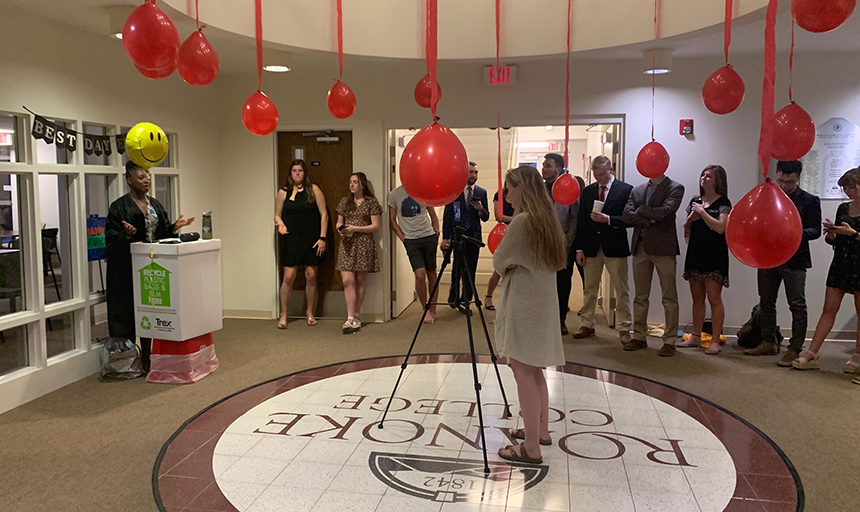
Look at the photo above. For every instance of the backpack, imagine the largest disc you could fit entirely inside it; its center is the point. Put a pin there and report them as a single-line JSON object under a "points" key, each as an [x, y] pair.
{"points": [[749, 335]]}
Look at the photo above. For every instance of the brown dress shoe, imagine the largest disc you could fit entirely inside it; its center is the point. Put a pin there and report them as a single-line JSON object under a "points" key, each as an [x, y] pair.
{"points": [[667, 350], [583, 332], [765, 348], [789, 356], [625, 337], [635, 345]]}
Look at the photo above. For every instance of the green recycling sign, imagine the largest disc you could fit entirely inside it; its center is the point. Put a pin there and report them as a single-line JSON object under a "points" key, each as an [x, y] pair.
{"points": [[155, 285]]}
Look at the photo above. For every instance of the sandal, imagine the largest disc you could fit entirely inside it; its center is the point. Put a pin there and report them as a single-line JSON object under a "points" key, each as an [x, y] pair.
{"points": [[513, 456], [689, 343], [519, 433], [488, 303], [282, 324], [803, 363], [312, 321], [853, 364]]}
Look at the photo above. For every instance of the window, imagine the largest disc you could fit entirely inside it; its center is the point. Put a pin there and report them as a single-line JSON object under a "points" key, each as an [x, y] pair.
{"points": [[60, 333], [164, 194], [13, 349], [50, 153], [56, 241], [94, 159], [12, 296], [11, 143], [97, 204]]}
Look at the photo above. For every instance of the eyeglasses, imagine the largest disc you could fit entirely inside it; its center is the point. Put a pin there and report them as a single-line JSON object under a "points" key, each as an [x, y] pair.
{"points": [[787, 182]]}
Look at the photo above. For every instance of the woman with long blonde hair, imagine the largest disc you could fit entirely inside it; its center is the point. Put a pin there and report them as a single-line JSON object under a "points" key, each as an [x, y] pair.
{"points": [[527, 317]]}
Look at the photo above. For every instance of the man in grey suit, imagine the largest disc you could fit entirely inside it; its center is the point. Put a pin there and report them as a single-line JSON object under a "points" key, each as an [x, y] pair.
{"points": [[651, 209]]}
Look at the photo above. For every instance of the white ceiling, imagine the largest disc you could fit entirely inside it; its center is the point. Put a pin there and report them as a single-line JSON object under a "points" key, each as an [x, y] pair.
{"points": [[236, 52]]}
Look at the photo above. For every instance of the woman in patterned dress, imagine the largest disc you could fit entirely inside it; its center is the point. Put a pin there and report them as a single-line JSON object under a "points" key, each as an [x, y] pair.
{"points": [[358, 217], [844, 274], [706, 266]]}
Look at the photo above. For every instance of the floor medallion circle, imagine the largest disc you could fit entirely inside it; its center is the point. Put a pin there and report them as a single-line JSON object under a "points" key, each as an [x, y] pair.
{"points": [[312, 442]]}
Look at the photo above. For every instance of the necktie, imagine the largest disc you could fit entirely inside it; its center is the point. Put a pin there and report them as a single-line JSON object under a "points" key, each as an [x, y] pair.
{"points": [[602, 192], [468, 213]]}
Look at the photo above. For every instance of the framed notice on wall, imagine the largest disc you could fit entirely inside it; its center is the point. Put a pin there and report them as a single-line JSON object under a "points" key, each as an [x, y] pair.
{"points": [[836, 150]]}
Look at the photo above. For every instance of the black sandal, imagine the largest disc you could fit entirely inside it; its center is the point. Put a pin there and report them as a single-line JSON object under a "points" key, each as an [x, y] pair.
{"points": [[491, 307]]}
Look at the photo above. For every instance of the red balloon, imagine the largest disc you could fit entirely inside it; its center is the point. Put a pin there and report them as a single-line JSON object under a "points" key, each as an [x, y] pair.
{"points": [[764, 228], [423, 92], [198, 62], [793, 133], [723, 91], [156, 74], [150, 38], [496, 236], [821, 15], [434, 168], [259, 114], [652, 160], [340, 100], [565, 190]]}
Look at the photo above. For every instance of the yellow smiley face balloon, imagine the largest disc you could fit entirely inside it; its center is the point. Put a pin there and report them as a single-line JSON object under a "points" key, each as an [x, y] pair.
{"points": [[146, 145]]}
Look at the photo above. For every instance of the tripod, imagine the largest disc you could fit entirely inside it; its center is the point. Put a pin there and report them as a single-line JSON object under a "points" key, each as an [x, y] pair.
{"points": [[457, 247]]}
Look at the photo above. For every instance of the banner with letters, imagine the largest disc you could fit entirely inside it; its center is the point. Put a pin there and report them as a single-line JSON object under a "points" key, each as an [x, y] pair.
{"points": [[69, 139]]}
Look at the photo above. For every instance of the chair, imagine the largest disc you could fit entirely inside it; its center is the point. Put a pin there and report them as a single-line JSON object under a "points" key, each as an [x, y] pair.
{"points": [[49, 249], [10, 280]]}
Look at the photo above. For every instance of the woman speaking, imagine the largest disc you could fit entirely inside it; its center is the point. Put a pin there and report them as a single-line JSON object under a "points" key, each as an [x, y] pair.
{"points": [[527, 317]]}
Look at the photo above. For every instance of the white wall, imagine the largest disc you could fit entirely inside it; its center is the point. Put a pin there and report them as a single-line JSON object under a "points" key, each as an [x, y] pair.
{"points": [[384, 92]]}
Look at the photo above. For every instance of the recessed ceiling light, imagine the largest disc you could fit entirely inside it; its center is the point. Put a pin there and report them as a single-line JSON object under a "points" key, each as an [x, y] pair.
{"points": [[548, 127], [275, 68], [117, 15], [657, 61]]}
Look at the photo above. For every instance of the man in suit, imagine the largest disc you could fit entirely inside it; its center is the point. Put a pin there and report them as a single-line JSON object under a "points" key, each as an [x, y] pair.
{"points": [[792, 272], [553, 166], [651, 211], [601, 241], [467, 211]]}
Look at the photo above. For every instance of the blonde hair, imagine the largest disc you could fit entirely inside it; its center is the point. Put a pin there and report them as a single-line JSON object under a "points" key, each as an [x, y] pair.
{"points": [[851, 177], [543, 231]]}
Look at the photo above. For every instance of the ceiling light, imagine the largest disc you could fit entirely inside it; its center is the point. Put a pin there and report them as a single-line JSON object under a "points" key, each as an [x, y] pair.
{"points": [[277, 61], [548, 127], [6, 130], [117, 14], [657, 61]]}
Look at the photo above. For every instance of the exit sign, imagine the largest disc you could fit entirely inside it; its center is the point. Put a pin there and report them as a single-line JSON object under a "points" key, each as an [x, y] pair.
{"points": [[500, 77]]}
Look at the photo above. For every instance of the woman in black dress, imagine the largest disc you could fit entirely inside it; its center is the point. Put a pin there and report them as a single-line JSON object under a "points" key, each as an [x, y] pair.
{"points": [[507, 215], [302, 219], [844, 274], [134, 217], [707, 264]]}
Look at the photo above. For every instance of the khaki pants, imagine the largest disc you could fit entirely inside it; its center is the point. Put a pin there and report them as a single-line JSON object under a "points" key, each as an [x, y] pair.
{"points": [[617, 268], [643, 269]]}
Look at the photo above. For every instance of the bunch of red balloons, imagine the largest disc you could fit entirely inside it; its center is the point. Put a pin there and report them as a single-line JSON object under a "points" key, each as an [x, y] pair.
{"points": [[152, 42]]}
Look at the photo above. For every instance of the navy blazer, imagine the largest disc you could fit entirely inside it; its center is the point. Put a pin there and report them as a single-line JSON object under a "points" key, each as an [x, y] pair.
{"points": [[478, 194], [592, 236], [809, 207]]}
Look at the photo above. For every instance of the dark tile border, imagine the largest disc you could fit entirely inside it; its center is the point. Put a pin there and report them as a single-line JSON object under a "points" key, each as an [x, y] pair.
{"points": [[760, 482]]}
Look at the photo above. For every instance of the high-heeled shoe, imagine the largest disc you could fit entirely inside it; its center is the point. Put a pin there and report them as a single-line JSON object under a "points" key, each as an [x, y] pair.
{"points": [[853, 364], [803, 363]]}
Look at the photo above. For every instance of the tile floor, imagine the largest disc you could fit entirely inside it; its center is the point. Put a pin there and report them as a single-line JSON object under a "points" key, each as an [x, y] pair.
{"points": [[310, 442]]}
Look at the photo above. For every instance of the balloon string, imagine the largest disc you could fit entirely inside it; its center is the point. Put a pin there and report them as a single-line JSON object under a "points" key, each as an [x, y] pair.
{"points": [[567, 91], [501, 195], [432, 13], [727, 29], [791, 62], [340, 38], [258, 19], [766, 134], [656, 25], [654, 65]]}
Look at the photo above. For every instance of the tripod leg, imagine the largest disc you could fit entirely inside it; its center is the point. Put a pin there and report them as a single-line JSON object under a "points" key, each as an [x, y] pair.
{"points": [[507, 413], [468, 280], [414, 338]]}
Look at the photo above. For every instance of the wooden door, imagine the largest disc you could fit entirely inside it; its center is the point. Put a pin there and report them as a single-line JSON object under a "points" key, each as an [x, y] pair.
{"points": [[329, 158]]}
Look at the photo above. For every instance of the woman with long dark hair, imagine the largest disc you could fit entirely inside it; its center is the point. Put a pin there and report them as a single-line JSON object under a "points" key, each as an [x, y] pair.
{"points": [[358, 217], [707, 263], [302, 220], [527, 317]]}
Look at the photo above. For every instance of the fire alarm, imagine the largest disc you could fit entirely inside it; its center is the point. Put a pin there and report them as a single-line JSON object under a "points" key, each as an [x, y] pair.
{"points": [[686, 127]]}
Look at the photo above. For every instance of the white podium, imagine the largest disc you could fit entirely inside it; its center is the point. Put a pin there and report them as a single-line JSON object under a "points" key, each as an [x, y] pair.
{"points": [[177, 289]]}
